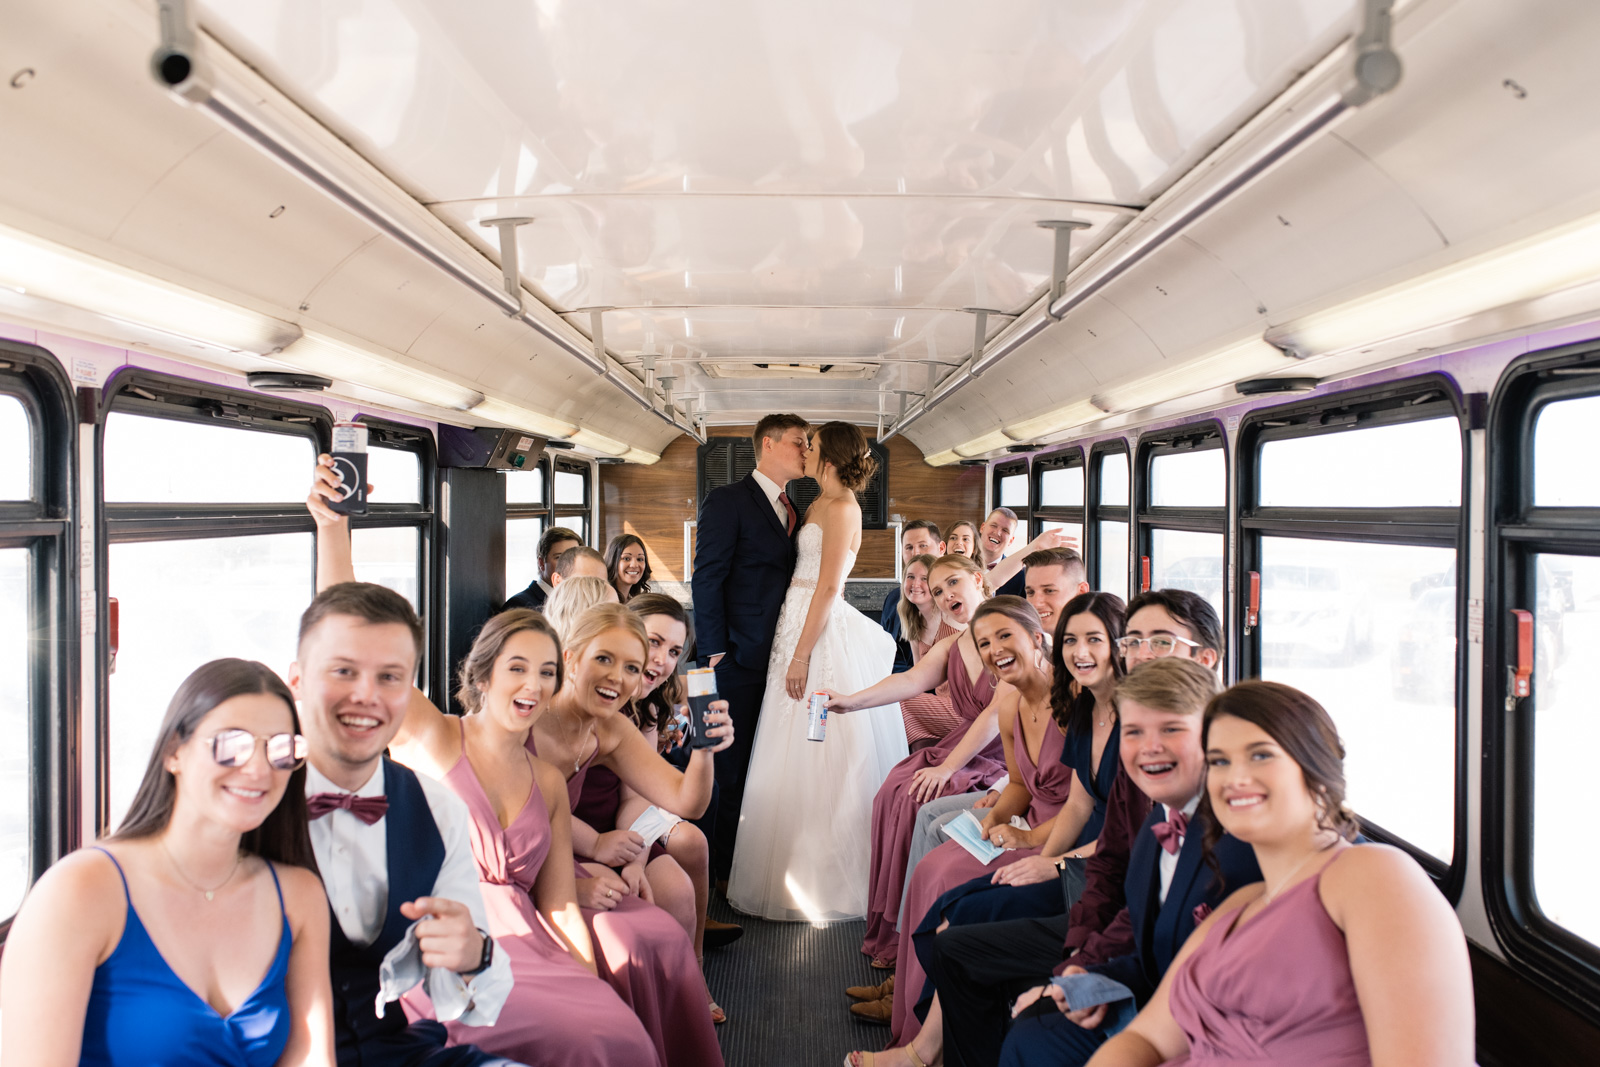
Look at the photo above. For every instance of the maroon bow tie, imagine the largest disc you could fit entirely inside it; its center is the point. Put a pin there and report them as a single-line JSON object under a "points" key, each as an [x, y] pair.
{"points": [[368, 809], [1169, 834]]}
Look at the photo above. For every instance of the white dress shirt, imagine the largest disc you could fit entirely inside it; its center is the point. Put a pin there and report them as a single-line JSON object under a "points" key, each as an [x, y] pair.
{"points": [[1168, 861], [354, 859], [772, 489]]}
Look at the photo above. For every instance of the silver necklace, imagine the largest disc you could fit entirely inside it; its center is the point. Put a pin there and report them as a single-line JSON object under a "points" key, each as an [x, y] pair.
{"points": [[1269, 895], [212, 892]]}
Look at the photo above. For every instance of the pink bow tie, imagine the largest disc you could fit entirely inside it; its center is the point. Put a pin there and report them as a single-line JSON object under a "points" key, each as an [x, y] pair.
{"points": [[1169, 834], [368, 809]]}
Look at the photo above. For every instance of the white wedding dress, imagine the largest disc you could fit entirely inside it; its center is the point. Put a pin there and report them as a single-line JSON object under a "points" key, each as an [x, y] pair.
{"points": [[805, 831]]}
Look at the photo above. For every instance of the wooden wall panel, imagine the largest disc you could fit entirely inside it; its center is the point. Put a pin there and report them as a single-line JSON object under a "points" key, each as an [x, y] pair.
{"points": [[654, 502]]}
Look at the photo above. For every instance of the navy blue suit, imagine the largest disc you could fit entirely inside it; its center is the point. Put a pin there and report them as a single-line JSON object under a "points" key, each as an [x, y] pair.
{"points": [[743, 560], [1159, 931], [1016, 586], [889, 619]]}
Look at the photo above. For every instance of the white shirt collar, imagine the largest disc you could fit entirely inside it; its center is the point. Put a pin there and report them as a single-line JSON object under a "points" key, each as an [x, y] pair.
{"points": [[317, 782], [768, 486], [1188, 809]]}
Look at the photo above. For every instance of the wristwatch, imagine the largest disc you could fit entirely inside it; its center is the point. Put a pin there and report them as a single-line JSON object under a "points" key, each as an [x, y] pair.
{"points": [[486, 959]]}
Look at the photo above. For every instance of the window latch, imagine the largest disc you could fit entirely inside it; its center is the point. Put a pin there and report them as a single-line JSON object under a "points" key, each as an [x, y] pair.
{"points": [[1144, 574], [1252, 611], [1522, 671], [113, 632]]}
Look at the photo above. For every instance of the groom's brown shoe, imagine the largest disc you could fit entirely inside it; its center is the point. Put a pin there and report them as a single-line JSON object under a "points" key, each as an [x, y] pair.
{"points": [[871, 992], [877, 1012]]}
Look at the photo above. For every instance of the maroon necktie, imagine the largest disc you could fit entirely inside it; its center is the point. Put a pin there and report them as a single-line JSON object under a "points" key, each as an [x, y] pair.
{"points": [[368, 809], [1169, 834], [783, 498]]}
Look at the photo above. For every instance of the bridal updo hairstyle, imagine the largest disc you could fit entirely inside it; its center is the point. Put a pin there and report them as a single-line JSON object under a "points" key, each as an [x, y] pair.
{"points": [[1305, 731], [845, 446], [478, 667]]}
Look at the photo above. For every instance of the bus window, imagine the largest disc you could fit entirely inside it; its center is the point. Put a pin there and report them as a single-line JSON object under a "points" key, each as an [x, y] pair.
{"points": [[1563, 470], [15, 769], [388, 555], [16, 446], [1061, 487], [1114, 479], [1189, 479], [571, 488], [1113, 538], [395, 476], [171, 461], [1013, 491], [1407, 464], [1073, 530], [1566, 617], [522, 553], [186, 602], [1185, 559], [1370, 631]]}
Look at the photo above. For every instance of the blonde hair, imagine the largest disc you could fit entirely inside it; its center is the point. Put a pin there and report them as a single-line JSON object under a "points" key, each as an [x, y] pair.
{"points": [[603, 618], [1176, 684], [572, 598], [956, 561], [912, 624]]}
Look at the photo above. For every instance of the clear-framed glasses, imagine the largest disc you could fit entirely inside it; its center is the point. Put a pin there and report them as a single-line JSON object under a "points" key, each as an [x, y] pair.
{"points": [[234, 748], [1159, 644]]}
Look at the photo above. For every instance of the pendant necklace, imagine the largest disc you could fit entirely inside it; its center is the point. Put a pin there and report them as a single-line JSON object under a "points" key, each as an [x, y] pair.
{"points": [[212, 892]]}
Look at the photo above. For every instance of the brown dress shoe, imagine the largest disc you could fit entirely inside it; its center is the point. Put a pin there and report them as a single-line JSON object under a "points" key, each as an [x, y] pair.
{"points": [[878, 1012], [871, 992], [720, 934]]}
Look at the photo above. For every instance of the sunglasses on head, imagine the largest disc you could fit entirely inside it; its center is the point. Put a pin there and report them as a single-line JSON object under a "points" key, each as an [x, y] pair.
{"points": [[234, 748]]}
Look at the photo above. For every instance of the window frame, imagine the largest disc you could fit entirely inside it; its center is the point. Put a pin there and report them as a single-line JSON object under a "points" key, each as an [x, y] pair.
{"points": [[1094, 513], [1061, 459], [1562, 963], [1411, 399], [1204, 436], [421, 516], [46, 526], [571, 465], [1010, 469]]}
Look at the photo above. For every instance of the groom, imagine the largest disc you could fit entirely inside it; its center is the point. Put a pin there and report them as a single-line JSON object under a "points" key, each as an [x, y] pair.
{"points": [[743, 558]]}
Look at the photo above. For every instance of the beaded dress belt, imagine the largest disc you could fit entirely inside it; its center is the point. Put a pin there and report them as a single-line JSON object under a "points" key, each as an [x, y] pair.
{"points": [[803, 583]]}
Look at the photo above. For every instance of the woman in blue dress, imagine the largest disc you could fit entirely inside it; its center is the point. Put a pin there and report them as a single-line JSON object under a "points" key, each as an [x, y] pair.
{"points": [[197, 934]]}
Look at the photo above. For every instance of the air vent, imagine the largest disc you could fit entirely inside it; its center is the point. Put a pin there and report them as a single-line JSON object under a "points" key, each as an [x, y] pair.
{"points": [[831, 371]]}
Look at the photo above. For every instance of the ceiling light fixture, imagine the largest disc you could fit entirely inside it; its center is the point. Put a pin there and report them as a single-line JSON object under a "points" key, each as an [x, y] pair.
{"points": [[598, 442], [48, 271], [517, 417], [989, 442], [346, 362]]}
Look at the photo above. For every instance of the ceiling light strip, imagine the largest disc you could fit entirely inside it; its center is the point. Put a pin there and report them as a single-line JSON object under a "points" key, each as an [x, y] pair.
{"points": [[1103, 270], [197, 89]]}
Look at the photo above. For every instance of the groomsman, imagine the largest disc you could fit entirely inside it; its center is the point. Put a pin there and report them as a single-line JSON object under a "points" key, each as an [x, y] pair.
{"points": [[392, 845], [744, 556], [994, 537], [552, 543]]}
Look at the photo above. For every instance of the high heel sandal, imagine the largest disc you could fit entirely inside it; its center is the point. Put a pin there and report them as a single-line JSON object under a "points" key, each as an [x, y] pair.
{"points": [[868, 1058]]}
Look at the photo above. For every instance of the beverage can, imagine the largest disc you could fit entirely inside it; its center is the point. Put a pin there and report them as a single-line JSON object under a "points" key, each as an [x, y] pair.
{"points": [[817, 724], [702, 685], [350, 463]]}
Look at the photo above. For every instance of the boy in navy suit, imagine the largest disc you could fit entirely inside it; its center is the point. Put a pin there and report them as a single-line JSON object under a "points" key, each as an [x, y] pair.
{"points": [[743, 559], [1169, 887]]}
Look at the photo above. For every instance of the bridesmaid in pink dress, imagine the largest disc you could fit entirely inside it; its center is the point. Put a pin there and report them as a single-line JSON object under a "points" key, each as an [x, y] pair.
{"points": [[928, 716], [968, 758], [1008, 631], [640, 950], [1343, 956]]}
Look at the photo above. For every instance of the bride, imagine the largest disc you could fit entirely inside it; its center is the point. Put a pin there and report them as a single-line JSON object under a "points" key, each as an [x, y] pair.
{"points": [[805, 826]]}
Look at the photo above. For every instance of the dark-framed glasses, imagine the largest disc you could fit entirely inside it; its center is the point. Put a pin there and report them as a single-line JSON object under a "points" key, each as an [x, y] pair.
{"points": [[1159, 644], [234, 748]]}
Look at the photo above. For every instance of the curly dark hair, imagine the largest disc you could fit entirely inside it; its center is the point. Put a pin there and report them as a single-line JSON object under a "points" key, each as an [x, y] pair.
{"points": [[1074, 710], [657, 707], [1306, 733]]}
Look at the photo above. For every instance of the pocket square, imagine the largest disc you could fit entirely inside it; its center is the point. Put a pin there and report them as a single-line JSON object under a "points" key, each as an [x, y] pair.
{"points": [[1200, 912]]}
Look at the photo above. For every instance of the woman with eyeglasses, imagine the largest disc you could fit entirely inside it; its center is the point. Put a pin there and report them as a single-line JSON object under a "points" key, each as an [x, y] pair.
{"points": [[197, 934]]}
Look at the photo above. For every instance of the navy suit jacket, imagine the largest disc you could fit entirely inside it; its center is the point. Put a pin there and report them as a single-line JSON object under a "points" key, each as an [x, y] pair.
{"points": [[743, 559], [1160, 929]]}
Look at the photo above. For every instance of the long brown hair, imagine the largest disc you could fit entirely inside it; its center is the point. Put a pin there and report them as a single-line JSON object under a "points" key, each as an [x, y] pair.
{"points": [[954, 526], [655, 709], [1306, 733], [478, 667], [912, 624], [284, 836], [614, 552], [1066, 704]]}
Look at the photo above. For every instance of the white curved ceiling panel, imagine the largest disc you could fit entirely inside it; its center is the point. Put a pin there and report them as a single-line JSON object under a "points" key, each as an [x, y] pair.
{"points": [[1184, 293], [1043, 98]]}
